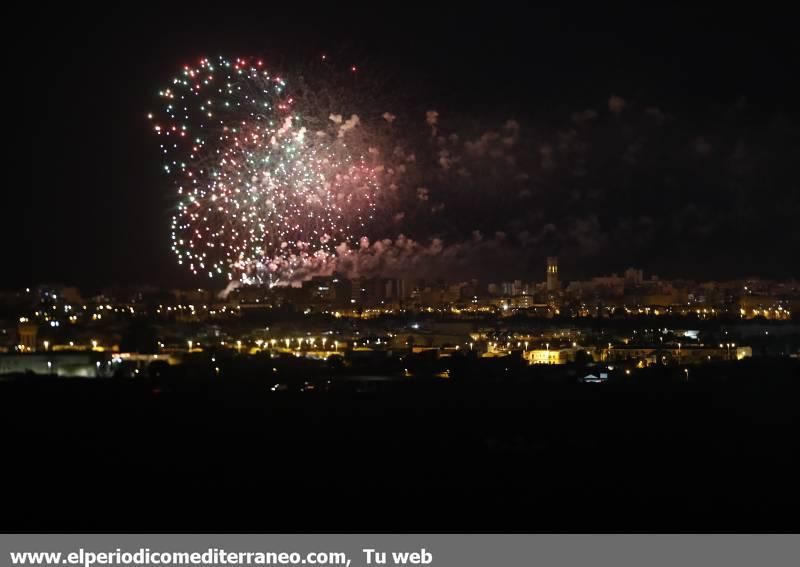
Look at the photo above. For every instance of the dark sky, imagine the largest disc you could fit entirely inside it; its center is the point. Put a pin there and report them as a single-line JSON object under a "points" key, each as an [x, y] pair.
{"points": [[95, 208]]}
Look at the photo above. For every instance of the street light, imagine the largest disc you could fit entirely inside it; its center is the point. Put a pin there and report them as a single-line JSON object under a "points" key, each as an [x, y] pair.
{"points": [[190, 343]]}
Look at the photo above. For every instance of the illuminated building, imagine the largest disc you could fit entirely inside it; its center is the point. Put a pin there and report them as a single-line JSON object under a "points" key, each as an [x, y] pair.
{"points": [[552, 274], [549, 356], [27, 335]]}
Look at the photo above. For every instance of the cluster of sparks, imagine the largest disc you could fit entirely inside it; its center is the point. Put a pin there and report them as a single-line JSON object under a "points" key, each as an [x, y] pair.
{"points": [[259, 197]]}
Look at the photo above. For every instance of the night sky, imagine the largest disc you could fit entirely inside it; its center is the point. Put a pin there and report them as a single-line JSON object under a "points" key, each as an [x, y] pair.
{"points": [[695, 177]]}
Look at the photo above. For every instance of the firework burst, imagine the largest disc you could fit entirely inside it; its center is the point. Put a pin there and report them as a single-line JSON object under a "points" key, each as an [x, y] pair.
{"points": [[259, 196]]}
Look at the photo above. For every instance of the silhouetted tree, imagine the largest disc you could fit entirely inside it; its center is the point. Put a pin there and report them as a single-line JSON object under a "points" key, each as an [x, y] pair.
{"points": [[583, 358], [140, 336]]}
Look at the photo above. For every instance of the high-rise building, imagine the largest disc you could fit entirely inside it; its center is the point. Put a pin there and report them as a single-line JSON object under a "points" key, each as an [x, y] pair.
{"points": [[552, 274], [342, 289], [396, 289], [633, 276], [321, 289]]}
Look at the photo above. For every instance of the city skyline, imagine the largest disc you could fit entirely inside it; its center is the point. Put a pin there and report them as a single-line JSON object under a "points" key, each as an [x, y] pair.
{"points": [[60, 317], [222, 289]]}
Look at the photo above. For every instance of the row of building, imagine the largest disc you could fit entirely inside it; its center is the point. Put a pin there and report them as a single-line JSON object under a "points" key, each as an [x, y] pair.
{"points": [[597, 296]]}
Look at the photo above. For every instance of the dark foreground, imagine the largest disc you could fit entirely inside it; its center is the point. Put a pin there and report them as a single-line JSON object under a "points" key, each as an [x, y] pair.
{"points": [[718, 454]]}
